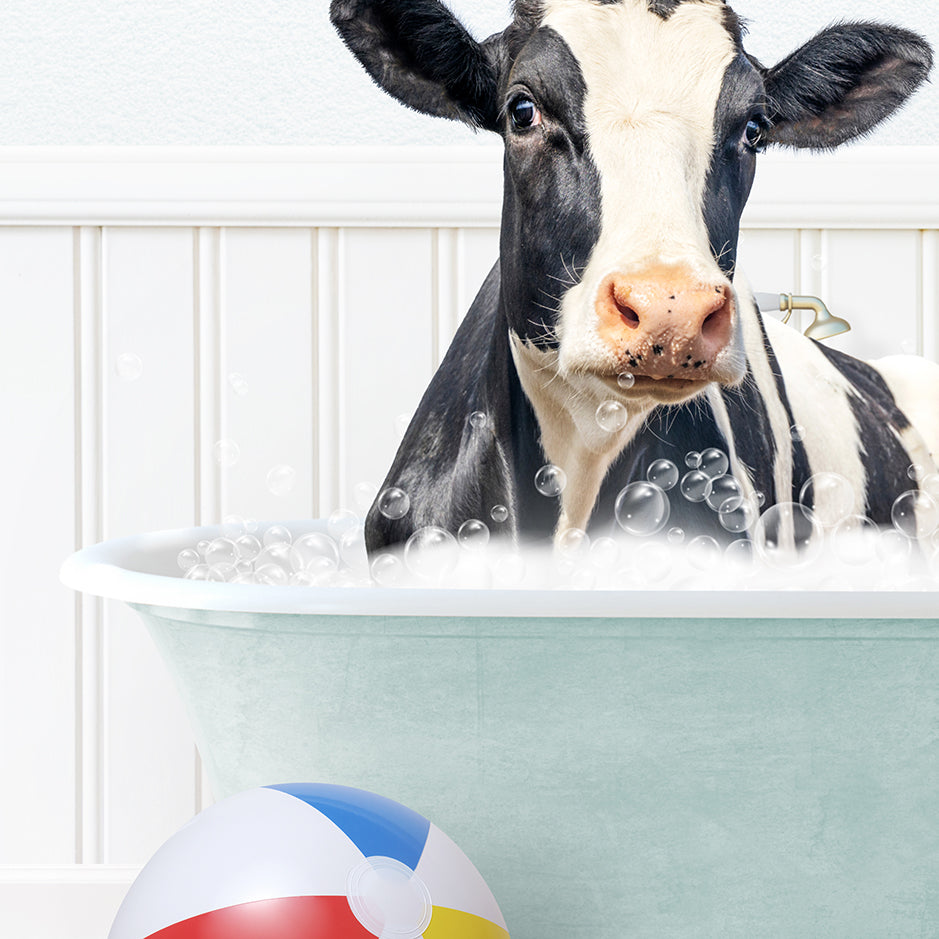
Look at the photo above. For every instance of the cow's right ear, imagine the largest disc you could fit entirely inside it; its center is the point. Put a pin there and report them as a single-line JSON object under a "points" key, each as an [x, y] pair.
{"points": [[420, 53]]}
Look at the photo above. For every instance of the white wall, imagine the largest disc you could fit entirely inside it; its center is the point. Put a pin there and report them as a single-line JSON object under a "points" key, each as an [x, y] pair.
{"points": [[254, 72]]}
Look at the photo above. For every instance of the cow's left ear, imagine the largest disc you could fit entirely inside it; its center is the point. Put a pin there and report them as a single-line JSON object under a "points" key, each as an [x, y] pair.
{"points": [[842, 83], [420, 53]]}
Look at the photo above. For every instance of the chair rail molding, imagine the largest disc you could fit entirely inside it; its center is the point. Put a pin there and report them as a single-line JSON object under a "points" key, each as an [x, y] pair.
{"points": [[863, 187]]}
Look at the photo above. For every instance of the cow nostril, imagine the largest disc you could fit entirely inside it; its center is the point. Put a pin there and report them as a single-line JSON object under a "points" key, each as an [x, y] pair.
{"points": [[716, 324], [629, 316]]}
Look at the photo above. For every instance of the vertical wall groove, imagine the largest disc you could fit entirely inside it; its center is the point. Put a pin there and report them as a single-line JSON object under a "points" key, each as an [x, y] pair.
{"points": [[929, 314], [208, 372], [90, 749], [330, 395]]}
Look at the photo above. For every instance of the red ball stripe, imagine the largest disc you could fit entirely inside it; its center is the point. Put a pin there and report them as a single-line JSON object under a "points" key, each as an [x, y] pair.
{"points": [[284, 918]]}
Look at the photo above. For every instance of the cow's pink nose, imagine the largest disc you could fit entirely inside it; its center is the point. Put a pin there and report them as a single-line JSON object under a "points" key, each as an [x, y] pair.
{"points": [[664, 322]]}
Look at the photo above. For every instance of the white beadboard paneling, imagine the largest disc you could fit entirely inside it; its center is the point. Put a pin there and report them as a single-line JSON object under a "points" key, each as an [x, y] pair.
{"points": [[267, 341], [149, 470], [390, 347], [930, 294], [480, 250], [769, 259], [38, 481], [872, 281], [304, 312]]}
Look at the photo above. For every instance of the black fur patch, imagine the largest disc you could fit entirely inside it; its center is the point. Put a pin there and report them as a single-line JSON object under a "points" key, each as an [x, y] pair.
{"points": [[419, 52], [843, 83], [732, 168]]}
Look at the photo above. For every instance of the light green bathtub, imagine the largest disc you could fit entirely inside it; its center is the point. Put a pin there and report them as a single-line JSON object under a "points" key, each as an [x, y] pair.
{"points": [[617, 764]]}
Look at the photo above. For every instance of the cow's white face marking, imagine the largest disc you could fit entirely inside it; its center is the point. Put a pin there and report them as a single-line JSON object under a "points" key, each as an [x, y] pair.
{"points": [[652, 88]]}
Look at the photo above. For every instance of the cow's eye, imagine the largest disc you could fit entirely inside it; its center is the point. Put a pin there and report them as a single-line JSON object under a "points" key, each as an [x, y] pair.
{"points": [[754, 136], [524, 113]]}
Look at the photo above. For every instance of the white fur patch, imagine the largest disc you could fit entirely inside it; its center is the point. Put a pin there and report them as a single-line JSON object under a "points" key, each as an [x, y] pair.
{"points": [[820, 400], [652, 91], [914, 382], [571, 437]]}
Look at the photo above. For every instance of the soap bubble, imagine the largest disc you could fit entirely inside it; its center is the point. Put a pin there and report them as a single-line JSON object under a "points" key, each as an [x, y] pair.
{"points": [[604, 553], [930, 485], [302, 579], [340, 522], [220, 551], [675, 535], [509, 570], [759, 498], [797, 433], [655, 562], [915, 514], [276, 553], [221, 572], [281, 479], [573, 543], [713, 462], [313, 549], [188, 558], [830, 496], [431, 553], [893, 547], [473, 534], [197, 572], [201, 546], [128, 366], [695, 486], [626, 380], [704, 552], [722, 488], [739, 553], [271, 575], [736, 515], [276, 534], [550, 480], [853, 540], [914, 471], [394, 503], [233, 526], [787, 534], [352, 549], [478, 421], [642, 508], [663, 473], [238, 383], [611, 416], [247, 547], [388, 570], [499, 513], [227, 452], [692, 459]]}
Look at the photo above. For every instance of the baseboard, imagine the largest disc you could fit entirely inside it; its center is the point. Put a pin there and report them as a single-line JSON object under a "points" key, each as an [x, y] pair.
{"points": [[76, 902]]}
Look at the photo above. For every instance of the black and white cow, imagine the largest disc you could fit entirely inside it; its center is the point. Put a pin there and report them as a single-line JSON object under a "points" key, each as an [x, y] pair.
{"points": [[631, 129]]}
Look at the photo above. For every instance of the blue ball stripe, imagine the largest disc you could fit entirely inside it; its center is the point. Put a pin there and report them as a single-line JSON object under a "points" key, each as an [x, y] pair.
{"points": [[374, 824]]}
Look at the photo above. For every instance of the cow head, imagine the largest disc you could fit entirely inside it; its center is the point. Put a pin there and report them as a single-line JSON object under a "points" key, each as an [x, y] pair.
{"points": [[631, 130]]}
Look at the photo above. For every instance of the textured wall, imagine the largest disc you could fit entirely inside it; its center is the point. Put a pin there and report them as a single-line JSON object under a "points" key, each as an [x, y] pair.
{"points": [[230, 72]]}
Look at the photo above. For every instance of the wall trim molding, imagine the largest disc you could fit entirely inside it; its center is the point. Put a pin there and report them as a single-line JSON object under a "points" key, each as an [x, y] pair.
{"points": [[864, 187]]}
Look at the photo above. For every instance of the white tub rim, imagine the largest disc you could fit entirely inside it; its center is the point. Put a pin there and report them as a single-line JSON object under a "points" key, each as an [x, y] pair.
{"points": [[113, 569]]}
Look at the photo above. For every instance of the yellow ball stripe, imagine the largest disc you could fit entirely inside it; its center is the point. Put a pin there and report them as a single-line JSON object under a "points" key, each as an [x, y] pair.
{"points": [[455, 924]]}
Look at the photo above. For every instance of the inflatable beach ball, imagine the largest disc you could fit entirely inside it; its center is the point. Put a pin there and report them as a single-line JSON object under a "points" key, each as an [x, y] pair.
{"points": [[309, 861]]}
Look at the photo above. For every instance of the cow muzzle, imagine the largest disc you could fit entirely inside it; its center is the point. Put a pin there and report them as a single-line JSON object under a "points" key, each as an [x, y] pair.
{"points": [[665, 322]]}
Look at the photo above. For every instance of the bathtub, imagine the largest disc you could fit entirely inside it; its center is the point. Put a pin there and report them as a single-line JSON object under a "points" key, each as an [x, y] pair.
{"points": [[638, 763]]}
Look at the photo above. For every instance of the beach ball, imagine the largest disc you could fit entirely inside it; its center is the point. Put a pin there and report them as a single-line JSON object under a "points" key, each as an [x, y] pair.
{"points": [[309, 861]]}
